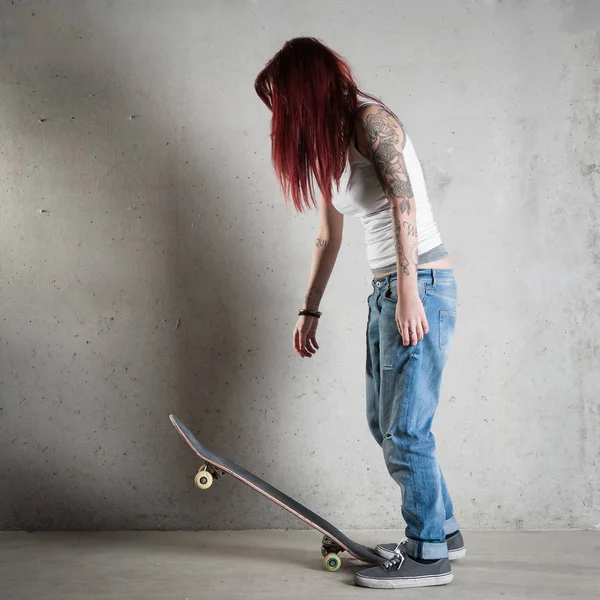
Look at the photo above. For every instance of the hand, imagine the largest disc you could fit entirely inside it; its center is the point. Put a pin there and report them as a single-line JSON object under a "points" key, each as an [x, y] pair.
{"points": [[410, 318], [305, 343]]}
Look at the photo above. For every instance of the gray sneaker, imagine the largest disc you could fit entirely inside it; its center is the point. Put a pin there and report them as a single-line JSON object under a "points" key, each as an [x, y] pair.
{"points": [[402, 571], [456, 547]]}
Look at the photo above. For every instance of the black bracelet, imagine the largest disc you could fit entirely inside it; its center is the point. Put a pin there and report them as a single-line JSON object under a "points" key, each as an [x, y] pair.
{"points": [[309, 313]]}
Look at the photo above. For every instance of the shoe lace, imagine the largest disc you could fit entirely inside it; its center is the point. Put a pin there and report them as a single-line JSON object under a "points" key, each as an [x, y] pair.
{"points": [[397, 549], [398, 559], [395, 562]]}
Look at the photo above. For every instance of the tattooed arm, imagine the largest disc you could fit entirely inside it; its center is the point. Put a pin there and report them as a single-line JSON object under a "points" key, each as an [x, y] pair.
{"points": [[325, 251], [380, 137]]}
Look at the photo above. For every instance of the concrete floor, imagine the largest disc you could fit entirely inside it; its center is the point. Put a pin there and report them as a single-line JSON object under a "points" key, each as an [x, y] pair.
{"points": [[280, 564]]}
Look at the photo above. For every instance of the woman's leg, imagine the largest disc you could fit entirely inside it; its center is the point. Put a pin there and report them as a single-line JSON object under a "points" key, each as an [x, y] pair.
{"points": [[408, 395]]}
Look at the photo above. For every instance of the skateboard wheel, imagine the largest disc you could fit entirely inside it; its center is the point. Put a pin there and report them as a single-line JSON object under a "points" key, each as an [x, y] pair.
{"points": [[203, 479], [332, 562]]}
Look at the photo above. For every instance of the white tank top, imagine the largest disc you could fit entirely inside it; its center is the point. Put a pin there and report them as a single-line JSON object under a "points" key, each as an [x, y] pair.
{"points": [[362, 196]]}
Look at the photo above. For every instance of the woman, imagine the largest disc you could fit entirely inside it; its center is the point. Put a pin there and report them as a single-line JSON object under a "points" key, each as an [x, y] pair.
{"points": [[364, 164]]}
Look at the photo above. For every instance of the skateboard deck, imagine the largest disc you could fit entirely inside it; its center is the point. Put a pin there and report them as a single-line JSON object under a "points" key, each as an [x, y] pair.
{"points": [[334, 541]]}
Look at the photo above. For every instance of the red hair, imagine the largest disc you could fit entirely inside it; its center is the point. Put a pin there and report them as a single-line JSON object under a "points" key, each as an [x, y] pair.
{"points": [[313, 97]]}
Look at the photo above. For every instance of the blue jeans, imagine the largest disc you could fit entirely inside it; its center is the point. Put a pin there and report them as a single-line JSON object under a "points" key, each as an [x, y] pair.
{"points": [[403, 391]]}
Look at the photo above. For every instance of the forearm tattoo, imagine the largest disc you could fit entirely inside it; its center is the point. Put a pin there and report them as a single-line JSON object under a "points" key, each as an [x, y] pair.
{"points": [[313, 297], [404, 264], [321, 243], [385, 134], [411, 230]]}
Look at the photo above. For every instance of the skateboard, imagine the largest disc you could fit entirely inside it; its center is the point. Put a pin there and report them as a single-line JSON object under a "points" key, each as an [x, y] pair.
{"points": [[334, 541]]}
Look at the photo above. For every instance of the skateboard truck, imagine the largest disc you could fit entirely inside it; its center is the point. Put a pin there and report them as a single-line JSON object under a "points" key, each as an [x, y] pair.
{"points": [[330, 551], [206, 475]]}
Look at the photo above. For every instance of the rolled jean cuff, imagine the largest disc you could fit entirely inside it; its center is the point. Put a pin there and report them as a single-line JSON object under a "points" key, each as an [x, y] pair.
{"points": [[450, 526], [426, 550], [432, 550]]}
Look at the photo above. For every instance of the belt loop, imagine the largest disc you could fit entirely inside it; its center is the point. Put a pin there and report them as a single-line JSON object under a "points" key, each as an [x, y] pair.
{"points": [[432, 276]]}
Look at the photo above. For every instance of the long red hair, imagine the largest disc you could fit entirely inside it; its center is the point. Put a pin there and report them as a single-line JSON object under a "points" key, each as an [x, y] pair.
{"points": [[312, 94]]}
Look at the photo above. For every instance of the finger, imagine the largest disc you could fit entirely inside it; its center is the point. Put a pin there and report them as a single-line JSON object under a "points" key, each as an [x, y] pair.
{"points": [[310, 344], [301, 350], [412, 329], [308, 349], [296, 341], [404, 333], [307, 345], [299, 347], [419, 330], [425, 325], [302, 340]]}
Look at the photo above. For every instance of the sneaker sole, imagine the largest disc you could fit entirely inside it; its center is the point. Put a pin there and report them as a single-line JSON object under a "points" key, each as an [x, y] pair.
{"points": [[412, 582], [452, 554], [458, 553]]}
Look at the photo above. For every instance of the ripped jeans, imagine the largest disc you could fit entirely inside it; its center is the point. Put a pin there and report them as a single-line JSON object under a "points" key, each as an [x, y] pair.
{"points": [[403, 391]]}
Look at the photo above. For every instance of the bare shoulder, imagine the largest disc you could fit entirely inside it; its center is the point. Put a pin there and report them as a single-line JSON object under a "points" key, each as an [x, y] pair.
{"points": [[376, 123]]}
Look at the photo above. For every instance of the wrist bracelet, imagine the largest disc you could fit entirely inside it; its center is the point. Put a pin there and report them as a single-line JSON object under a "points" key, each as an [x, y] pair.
{"points": [[309, 313]]}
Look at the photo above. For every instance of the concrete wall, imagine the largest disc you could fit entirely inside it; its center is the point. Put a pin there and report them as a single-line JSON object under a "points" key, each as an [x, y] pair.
{"points": [[148, 264]]}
